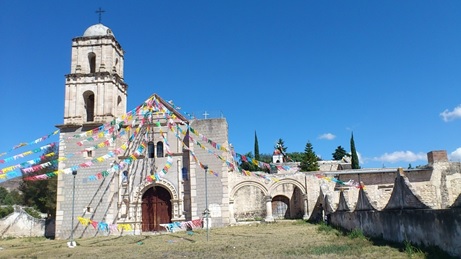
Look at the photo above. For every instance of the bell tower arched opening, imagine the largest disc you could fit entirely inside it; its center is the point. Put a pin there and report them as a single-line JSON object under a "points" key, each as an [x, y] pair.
{"points": [[92, 62], [88, 97]]}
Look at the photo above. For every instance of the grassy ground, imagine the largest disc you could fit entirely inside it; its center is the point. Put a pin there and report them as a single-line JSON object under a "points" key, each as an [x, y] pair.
{"points": [[293, 239]]}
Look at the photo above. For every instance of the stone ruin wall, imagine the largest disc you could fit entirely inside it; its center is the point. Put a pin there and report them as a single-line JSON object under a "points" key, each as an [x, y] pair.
{"points": [[424, 206]]}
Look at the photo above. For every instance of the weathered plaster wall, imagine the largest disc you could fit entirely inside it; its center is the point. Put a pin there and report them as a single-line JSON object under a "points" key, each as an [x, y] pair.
{"points": [[21, 224], [405, 216], [216, 191], [441, 228]]}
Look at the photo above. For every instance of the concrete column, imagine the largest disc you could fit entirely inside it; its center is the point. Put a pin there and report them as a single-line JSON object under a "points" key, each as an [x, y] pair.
{"points": [[269, 217], [306, 209]]}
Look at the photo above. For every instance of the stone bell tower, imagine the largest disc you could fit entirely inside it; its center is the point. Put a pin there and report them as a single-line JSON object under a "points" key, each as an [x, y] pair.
{"points": [[95, 91], [95, 95]]}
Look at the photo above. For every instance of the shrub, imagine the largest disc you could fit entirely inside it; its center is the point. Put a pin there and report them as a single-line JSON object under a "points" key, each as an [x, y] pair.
{"points": [[33, 212], [6, 210]]}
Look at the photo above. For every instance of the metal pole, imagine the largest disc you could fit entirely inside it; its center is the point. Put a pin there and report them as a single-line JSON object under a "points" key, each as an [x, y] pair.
{"points": [[72, 243], [206, 202]]}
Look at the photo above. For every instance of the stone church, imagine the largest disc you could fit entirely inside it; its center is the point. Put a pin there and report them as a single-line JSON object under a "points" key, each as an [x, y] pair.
{"points": [[137, 168], [149, 168]]}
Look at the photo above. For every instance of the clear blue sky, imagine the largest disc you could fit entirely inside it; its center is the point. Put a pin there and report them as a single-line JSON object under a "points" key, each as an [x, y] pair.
{"points": [[388, 71]]}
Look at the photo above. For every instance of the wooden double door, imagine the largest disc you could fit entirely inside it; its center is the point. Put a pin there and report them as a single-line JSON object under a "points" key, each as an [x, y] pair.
{"points": [[156, 209]]}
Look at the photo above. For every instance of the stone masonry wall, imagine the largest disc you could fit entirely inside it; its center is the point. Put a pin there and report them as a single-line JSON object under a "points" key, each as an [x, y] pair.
{"points": [[215, 130], [406, 217], [93, 199]]}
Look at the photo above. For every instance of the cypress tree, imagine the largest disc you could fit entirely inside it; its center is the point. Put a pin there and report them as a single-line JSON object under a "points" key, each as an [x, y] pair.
{"points": [[257, 157], [355, 158]]}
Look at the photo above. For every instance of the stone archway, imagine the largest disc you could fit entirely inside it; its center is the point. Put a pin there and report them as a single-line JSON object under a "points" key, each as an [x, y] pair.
{"points": [[281, 207], [242, 207], [289, 199], [156, 208]]}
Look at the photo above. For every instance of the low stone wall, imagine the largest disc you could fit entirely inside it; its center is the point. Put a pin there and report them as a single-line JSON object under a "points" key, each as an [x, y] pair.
{"points": [[404, 218], [21, 224], [441, 228]]}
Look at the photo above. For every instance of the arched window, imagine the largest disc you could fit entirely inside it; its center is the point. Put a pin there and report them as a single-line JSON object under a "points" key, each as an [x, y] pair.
{"points": [[88, 96], [119, 106], [92, 62], [160, 149], [125, 177]]}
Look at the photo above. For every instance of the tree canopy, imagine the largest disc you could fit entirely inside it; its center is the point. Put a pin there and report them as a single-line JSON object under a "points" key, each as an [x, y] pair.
{"points": [[339, 153], [280, 145], [42, 194], [309, 162]]}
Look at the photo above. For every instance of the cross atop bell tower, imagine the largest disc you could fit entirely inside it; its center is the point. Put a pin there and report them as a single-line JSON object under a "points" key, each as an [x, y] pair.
{"points": [[100, 12]]}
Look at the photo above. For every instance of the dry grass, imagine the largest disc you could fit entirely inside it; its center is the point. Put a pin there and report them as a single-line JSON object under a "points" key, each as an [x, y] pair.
{"points": [[277, 240]]}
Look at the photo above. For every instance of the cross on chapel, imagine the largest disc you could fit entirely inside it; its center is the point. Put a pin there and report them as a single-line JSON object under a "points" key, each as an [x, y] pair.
{"points": [[100, 11], [205, 114]]}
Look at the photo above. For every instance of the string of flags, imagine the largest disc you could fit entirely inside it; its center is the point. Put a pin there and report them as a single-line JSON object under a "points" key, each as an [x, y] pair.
{"points": [[117, 128], [30, 152], [106, 227], [30, 143], [161, 173], [108, 130], [350, 183], [104, 130], [27, 163]]}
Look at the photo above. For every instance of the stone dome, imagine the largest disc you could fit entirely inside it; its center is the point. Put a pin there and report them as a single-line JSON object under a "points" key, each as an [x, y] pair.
{"points": [[97, 30]]}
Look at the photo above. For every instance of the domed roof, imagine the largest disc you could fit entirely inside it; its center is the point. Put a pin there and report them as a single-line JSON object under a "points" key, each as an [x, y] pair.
{"points": [[98, 30]]}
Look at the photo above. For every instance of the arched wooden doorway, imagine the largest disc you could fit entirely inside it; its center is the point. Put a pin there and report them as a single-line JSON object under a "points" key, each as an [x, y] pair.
{"points": [[280, 207], [156, 208]]}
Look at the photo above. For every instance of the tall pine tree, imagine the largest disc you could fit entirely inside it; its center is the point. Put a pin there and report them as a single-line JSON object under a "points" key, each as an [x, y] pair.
{"points": [[281, 146], [339, 153], [309, 162], [355, 158]]}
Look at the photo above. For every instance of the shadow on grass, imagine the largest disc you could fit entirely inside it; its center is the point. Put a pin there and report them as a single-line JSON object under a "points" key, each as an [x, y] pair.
{"points": [[110, 240], [183, 238]]}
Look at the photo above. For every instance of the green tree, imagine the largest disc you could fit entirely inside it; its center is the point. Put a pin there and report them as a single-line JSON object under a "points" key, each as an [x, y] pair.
{"points": [[6, 210], [13, 198], [339, 153], [281, 146], [3, 194], [309, 162], [267, 158], [355, 158], [42, 194], [296, 156], [257, 157]]}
